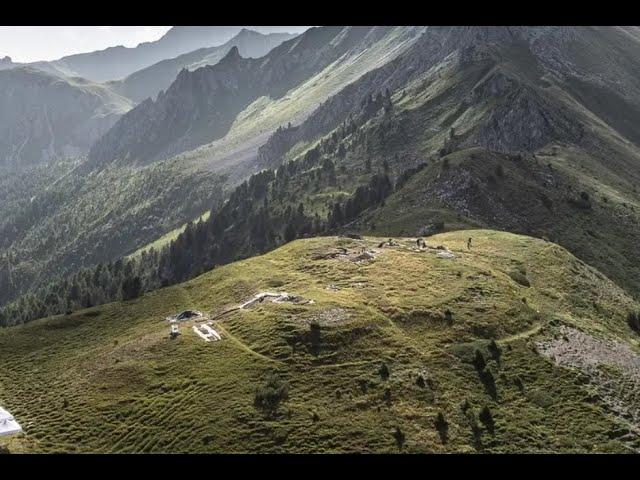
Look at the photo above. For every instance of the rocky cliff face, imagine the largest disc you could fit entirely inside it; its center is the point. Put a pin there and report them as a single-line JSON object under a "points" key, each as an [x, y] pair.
{"points": [[198, 106]]}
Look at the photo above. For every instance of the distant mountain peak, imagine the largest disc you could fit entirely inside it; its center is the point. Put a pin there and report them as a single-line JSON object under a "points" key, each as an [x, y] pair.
{"points": [[232, 56]]}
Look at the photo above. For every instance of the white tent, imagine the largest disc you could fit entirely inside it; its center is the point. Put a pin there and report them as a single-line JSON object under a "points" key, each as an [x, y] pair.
{"points": [[8, 426]]}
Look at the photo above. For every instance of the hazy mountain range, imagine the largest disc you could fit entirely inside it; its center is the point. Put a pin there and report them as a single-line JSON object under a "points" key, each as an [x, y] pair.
{"points": [[53, 111], [116, 63]]}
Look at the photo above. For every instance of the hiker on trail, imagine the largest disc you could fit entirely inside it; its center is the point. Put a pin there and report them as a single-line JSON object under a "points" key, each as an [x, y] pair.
{"points": [[469, 244]]}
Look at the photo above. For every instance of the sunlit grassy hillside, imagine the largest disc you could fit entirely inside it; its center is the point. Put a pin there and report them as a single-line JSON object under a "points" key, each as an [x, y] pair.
{"points": [[385, 359]]}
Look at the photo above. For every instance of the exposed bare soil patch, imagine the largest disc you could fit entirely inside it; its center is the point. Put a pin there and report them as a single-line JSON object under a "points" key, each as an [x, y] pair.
{"points": [[612, 367]]}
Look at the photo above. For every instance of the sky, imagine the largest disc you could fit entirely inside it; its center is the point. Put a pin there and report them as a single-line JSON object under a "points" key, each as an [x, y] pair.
{"points": [[30, 44]]}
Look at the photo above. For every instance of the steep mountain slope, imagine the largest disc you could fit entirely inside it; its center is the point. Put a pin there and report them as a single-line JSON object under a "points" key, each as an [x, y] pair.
{"points": [[543, 70], [24, 236], [395, 354], [116, 63], [511, 91], [555, 196], [201, 106], [578, 182], [42, 116], [148, 82], [79, 220]]}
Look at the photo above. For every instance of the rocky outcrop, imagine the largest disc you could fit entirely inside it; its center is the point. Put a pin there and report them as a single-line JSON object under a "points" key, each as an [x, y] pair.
{"points": [[523, 120]]}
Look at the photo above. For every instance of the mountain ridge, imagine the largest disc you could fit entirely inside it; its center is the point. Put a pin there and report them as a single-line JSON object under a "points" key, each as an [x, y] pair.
{"points": [[291, 62], [43, 116], [117, 62], [148, 82]]}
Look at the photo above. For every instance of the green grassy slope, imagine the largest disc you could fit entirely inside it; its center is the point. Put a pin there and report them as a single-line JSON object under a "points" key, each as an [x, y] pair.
{"points": [[109, 379]]}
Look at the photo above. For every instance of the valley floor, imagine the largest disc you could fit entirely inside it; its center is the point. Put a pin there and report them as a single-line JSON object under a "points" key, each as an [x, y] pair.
{"points": [[395, 354]]}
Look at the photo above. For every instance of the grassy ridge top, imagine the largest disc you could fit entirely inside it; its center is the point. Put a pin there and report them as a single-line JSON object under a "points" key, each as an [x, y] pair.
{"points": [[109, 379]]}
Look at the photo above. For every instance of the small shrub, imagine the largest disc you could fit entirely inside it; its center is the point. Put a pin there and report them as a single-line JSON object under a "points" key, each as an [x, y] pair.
{"points": [[269, 396], [519, 278], [442, 426], [476, 431], [384, 371], [398, 434], [499, 171], [494, 349], [488, 379], [541, 398], [421, 382], [364, 385], [487, 419], [583, 202], [633, 319], [478, 361], [314, 337], [518, 383], [448, 316], [546, 201]]}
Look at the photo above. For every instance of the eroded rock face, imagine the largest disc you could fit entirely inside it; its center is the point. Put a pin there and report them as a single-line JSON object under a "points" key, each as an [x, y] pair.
{"points": [[524, 121], [612, 367]]}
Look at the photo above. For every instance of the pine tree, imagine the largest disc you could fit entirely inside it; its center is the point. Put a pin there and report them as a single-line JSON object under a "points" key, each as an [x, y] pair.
{"points": [[131, 288]]}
